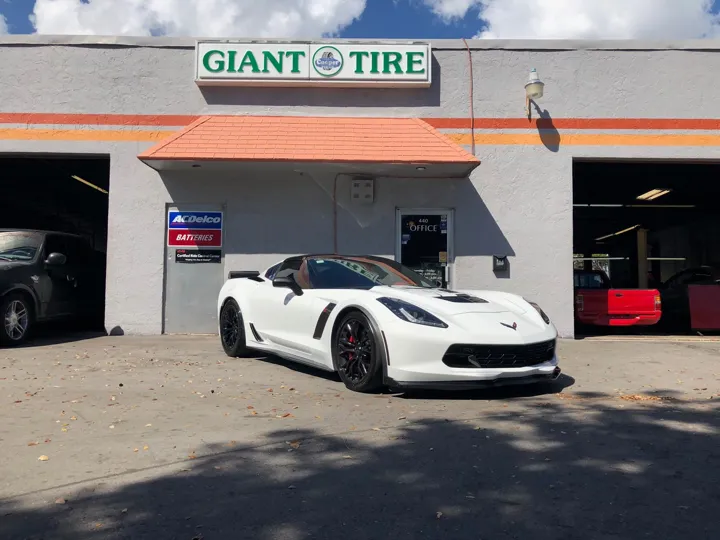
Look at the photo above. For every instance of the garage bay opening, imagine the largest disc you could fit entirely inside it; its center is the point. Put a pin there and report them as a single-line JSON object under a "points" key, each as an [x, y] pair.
{"points": [[646, 247], [53, 238]]}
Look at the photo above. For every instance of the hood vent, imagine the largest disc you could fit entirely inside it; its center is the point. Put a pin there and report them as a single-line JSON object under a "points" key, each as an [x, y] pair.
{"points": [[463, 299]]}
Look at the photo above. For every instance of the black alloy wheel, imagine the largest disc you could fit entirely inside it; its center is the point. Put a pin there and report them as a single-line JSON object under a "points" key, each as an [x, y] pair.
{"points": [[16, 317], [356, 353], [232, 329]]}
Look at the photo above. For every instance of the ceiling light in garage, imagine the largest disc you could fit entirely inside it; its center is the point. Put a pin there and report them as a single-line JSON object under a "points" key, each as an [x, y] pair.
{"points": [[653, 194], [618, 233], [101, 190]]}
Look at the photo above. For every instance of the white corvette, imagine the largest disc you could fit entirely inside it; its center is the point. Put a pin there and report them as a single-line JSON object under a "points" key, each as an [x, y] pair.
{"points": [[377, 323]]}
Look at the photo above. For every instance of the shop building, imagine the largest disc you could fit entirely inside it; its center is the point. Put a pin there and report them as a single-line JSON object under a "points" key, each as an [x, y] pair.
{"points": [[210, 156]]}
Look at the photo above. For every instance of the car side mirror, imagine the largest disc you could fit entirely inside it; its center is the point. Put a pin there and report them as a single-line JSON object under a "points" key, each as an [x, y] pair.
{"points": [[289, 283], [56, 259]]}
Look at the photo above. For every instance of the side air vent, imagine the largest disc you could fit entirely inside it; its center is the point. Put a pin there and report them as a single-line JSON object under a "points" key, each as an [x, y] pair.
{"points": [[463, 299], [255, 334], [322, 320]]}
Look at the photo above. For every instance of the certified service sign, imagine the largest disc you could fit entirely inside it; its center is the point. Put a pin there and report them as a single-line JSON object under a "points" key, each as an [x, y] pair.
{"points": [[293, 63]]}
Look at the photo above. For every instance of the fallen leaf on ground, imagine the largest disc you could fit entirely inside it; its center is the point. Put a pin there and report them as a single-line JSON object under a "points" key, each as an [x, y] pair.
{"points": [[254, 412], [438, 515], [295, 444], [64, 429], [73, 418], [60, 501], [148, 425], [286, 415], [124, 511], [402, 417], [347, 457], [33, 443], [192, 456], [146, 447], [376, 429], [641, 397], [135, 450], [250, 407], [43, 458]]}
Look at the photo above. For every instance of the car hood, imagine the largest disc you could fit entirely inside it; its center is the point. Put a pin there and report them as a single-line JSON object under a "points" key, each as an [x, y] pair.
{"points": [[447, 302], [472, 310]]}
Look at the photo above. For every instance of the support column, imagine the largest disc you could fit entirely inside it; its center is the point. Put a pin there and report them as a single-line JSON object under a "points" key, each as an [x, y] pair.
{"points": [[642, 258]]}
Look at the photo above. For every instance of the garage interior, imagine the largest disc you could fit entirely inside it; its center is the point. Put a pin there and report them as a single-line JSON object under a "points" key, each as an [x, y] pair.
{"points": [[58, 193], [644, 223]]}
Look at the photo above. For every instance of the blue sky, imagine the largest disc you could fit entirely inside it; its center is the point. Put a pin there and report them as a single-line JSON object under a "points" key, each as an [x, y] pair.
{"points": [[393, 19], [381, 19]]}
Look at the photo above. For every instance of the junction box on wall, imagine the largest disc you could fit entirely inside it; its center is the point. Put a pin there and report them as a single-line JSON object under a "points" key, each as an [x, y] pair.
{"points": [[362, 190]]}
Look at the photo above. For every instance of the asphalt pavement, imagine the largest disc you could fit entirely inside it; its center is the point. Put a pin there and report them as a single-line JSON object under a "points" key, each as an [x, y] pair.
{"points": [[167, 438]]}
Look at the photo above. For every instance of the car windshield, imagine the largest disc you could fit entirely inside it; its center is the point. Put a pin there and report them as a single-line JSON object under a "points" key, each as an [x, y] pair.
{"points": [[19, 245], [361, 273]]}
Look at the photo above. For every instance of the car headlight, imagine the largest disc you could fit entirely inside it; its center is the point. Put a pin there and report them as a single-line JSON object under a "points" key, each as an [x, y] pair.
{"points": [[541, 312], [410, 313]]}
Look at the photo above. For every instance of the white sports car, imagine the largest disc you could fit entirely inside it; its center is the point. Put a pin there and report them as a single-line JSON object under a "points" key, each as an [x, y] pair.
{"points": [[377, 323]]}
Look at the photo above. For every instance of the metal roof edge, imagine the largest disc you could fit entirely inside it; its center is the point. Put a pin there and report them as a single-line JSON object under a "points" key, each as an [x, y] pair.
{"points": [[38, 40]]}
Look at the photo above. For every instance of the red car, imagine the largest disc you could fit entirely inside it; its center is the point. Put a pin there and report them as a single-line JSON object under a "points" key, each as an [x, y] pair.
{"points": [[598, 304]]}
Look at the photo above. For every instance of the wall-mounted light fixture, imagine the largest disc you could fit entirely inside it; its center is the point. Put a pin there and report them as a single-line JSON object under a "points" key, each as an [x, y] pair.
{"points": [[534, 90]]}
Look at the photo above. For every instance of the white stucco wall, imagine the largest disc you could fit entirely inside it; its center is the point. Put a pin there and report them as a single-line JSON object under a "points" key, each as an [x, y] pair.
{"points": [[519, 201]]}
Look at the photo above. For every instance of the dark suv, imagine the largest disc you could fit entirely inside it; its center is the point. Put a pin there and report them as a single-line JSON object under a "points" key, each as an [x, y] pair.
{"points": [[47, 276]]}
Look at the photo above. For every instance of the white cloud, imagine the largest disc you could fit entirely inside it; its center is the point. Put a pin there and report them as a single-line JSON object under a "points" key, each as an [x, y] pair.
{"points": [[201, 18], [586, 19], [3, 25]]}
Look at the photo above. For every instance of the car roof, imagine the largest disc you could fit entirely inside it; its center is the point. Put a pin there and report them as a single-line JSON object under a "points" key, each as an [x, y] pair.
{"points": [[40, 231], [339, 256]]}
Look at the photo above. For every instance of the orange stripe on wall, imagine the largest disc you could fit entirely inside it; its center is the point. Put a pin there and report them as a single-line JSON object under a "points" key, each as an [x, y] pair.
{"points": [[441, 123], [585, 139], [98, 119], [577, 123], [83, 135]]}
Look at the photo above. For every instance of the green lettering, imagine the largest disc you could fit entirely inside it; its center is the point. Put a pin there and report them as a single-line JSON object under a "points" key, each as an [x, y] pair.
{"points": [[232, 56], [295, 55], [359, 56], [395, 62], [375, 56], [249, 60], [219, 65], [277, 62], [413, 59]]}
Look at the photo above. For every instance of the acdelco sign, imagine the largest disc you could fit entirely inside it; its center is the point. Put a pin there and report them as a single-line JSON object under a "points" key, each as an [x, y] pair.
{"points": [[254, 63], [195, 220], [194, 229]]}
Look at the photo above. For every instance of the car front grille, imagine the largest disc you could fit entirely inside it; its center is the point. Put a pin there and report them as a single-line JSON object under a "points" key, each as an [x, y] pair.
{"points": [[499, 356]]}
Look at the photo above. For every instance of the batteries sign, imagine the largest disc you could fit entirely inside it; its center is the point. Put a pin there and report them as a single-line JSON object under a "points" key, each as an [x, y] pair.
{"points": [[195, 229]]}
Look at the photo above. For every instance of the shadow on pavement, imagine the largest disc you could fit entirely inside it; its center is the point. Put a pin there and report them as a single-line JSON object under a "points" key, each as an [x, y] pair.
{"points": [[567, 470]]}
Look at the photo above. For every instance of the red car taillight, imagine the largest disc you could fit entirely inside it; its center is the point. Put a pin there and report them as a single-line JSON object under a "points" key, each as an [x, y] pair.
{"points": [[658, 303]]}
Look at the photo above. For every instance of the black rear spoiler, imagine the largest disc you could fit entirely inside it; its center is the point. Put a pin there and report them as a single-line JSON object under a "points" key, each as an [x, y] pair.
{"points": [[245, 274]]}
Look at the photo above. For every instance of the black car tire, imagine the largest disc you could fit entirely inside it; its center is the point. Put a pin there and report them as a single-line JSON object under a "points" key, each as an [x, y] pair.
{"points": [[232, 330], [18, 302], [370, 379]]}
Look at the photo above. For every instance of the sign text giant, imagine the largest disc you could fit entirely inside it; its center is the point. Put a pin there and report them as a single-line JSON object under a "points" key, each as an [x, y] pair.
{"points": [[313, 64]]}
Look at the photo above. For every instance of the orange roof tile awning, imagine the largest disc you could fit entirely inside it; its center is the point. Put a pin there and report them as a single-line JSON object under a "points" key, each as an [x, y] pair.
{"points": [[327, 140]]}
